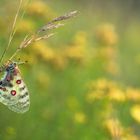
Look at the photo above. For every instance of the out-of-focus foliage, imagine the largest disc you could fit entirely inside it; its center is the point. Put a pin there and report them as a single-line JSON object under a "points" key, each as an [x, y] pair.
{"points": [[84, 82]]}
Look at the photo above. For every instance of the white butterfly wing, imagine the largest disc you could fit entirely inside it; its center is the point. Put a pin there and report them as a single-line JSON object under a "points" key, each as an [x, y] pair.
{"points": [[17, 96], [23, 102]]}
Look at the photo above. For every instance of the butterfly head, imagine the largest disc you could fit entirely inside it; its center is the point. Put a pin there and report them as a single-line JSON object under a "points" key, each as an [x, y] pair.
{"points": [[10, 66]]}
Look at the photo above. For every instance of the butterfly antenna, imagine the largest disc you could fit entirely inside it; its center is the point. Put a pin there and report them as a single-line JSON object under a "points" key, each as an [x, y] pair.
{"points": [[13, 30], [20, 62]]}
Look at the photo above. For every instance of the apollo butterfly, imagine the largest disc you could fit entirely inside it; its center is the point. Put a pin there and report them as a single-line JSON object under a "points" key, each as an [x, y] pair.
{"points": [[13, 91]]}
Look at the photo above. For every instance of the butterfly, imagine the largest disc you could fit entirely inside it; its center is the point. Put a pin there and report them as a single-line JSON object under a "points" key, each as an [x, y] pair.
{"points": [[13, 90]]}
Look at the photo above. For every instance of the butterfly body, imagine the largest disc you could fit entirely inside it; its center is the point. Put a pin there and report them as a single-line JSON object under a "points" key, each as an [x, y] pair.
{"points": [[13, 91]]}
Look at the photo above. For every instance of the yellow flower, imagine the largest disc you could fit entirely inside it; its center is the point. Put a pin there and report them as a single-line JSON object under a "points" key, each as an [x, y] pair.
{"points": [[108, 53], [117, 95], [129, 134], [114, 127], [43, 51], [117, 131], [106, 34], [105, 84], [80, 117], [25, 26], [39, 8], [80, 38], [102, 84], [95, 95], [75, 52], [59, 62], [104, 88], [135, 112], [130, 137], [56, 59], [133, 94], [112, 68]]}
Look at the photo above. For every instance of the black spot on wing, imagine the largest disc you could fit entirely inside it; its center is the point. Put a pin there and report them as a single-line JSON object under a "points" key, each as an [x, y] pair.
{"points": [[22, 88], [24, 95]]}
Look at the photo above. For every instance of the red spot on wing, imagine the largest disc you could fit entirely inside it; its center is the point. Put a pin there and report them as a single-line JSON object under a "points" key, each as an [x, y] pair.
{"points": [[18, 81], [13, 92]]}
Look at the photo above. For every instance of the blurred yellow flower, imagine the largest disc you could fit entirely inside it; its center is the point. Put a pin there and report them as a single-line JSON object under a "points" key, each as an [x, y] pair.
{"points": [[80, 38], [106, 34], [95, 95], [105, 84], [135, 112], [133, 94], [118, 132], [39, 8], [75, 52], [107, 52], [117, 95], [43, 51], [25, 26], [114, 127], [130, 136], [103, 88], [102, 83], [59, 62], [108, 57], [78, 50], [112, 68], [80, 117]]}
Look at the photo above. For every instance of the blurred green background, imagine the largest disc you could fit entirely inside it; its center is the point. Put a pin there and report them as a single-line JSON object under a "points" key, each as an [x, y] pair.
{"points": [[84, 82]]}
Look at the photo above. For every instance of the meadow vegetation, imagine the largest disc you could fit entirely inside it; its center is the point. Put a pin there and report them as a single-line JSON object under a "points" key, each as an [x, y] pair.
{"points": [[84, 81]]}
